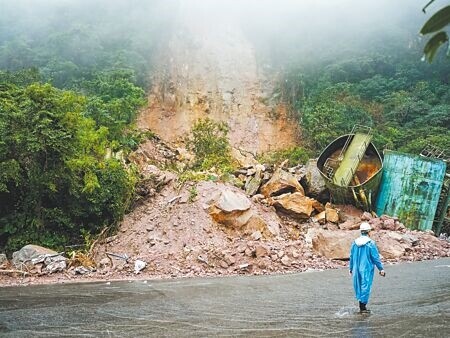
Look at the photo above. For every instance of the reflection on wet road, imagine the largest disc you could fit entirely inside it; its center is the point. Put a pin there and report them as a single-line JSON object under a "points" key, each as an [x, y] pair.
{"points": [[413, 300]]}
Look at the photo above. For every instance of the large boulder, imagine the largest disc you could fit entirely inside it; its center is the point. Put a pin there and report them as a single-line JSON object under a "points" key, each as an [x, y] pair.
{"points": [[30, 252], [334, 244], [253, 182], [234, 210], [230, 201], [281, 182], [314, 182], [389, 244], [297, 205], [34, 254], [331, 214], [245, 159]]}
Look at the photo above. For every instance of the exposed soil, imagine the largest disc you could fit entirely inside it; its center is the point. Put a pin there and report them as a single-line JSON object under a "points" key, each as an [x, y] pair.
{"points": [[209, 69]]}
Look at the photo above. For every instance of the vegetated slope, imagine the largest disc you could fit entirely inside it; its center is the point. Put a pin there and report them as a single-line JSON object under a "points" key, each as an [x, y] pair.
{"points": [[209, 69]]}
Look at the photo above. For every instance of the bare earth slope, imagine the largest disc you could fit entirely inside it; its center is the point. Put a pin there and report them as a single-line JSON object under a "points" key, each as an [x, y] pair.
{"points": [[208, 69]]}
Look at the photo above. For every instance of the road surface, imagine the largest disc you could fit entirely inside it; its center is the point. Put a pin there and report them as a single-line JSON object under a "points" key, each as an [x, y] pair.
{"points": [[413, 300]]}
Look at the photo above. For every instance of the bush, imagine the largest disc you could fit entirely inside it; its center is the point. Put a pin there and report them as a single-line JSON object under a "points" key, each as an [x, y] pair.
{"points": [[294, 155], [209, 142]]}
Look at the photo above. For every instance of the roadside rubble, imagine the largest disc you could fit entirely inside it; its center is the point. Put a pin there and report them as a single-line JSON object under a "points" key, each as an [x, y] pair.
{"points": [[266, 220]]}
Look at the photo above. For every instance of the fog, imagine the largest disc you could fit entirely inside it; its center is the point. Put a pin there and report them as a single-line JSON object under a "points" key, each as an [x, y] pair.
{"points": [[281, 32]]}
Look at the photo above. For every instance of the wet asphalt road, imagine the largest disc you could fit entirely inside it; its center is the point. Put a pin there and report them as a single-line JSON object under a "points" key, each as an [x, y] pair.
{"points": [[412, 301]]}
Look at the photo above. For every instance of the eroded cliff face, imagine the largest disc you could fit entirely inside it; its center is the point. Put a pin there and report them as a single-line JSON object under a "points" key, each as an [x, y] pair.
{"points": [[208, 69]]}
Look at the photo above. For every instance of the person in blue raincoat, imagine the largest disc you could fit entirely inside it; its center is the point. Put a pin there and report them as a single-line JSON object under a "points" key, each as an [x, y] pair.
{"points": [[364, 257]]}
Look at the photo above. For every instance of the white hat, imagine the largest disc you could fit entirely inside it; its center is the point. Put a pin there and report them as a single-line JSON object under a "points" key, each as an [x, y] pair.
{"points": [[365, 226]]}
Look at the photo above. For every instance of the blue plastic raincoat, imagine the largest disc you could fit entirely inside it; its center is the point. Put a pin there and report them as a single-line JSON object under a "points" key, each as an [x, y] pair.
{"points": [[363, 257]]}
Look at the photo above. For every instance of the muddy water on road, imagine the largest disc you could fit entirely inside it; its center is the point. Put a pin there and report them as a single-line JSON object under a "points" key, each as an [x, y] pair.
{"points": [[413, 300]]}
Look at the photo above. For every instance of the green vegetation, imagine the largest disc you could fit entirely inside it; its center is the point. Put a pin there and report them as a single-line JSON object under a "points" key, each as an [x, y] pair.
{"points": [[193, 192], [56, 182], [209, 143], [405, 100], [72, 78], [294, 155]]}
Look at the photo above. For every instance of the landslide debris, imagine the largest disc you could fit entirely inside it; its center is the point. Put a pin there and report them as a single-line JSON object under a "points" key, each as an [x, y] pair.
{"points": [[208, 228]]}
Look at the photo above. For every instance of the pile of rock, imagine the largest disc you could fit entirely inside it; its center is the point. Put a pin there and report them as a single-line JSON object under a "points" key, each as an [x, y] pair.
{"points": [[282, 189], [37, 259]]}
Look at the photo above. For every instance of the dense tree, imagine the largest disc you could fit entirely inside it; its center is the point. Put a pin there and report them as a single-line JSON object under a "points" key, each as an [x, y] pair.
{"points": [[56, 181]]}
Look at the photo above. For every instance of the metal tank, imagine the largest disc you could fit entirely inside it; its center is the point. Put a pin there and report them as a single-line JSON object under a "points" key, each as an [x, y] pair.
{"points": [[351, 167]]}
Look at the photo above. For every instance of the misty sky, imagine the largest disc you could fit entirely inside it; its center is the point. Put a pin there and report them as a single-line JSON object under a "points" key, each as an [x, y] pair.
{"points": [[285, 29]]}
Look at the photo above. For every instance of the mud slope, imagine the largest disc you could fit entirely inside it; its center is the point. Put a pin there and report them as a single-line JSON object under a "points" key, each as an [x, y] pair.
{"points": [[208, 69]]}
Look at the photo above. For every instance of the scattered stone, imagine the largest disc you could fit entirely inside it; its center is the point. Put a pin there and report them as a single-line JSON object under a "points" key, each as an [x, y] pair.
{"points": [[244, 266], [230, 260], [241, 248], [139, 266], [260, 251], [150, 227], [395, 235], [331, 214], [411, 239], [104, 262], [81, 270], [256, 235], [203, 260], [320, 218], [252, 184], [231, 209], [286, 261], [389, 224], [376, 224], [366, 216], [388, 247], [55, 264]]}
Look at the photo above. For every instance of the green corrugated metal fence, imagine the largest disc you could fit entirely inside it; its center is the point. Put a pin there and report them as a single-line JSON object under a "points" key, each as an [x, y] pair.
{"points": [[410, 188]]}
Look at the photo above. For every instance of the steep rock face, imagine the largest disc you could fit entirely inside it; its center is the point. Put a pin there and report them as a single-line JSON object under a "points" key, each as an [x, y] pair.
{"points": [[209, 69]]}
